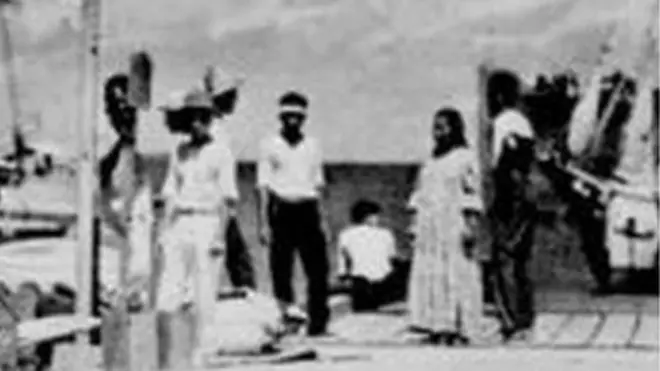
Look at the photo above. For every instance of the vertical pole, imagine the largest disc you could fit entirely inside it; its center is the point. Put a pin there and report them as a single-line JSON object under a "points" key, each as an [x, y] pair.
{"points": [[484, 148], [484, 132], [87, 179], [655, 132], [9, 69]]}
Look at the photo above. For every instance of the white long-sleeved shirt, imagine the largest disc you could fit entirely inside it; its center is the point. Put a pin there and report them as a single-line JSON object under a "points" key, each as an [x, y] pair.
{"points": [[201, 179]]}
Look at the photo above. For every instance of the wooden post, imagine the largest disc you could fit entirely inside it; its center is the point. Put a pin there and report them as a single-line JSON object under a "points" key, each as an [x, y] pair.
{"points": [[484, 148], [484, 133], [87, 178], [130, 339], [9, 68], [655, 132]]}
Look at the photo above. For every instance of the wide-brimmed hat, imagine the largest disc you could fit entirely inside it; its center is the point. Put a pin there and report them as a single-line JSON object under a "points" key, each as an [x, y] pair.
{"points": [[193, 98], [217, 81]]}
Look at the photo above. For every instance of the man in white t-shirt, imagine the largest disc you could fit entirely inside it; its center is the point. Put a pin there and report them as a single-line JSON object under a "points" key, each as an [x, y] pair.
{"points": [[366, 252], [290, 180]]}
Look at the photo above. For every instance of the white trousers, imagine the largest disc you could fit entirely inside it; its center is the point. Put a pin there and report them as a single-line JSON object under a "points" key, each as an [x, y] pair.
{"points": [[189, 272]]}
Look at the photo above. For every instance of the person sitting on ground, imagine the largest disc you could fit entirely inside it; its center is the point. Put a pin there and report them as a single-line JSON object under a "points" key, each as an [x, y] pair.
{"points": [[367, 251]]}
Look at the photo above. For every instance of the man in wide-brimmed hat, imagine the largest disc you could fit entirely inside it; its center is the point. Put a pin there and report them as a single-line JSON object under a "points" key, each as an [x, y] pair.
{"points": [[199, 193]]}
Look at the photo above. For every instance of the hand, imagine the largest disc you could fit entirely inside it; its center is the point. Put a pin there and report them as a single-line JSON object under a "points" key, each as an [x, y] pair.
{"points": [[470, 249], [325, 228], [232, 209], [216, 251], [265, 236], [343, 278]]}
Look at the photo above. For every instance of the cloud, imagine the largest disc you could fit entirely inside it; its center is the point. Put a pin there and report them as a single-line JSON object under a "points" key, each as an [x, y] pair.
{"points": [[268, 13], [39, 19]]}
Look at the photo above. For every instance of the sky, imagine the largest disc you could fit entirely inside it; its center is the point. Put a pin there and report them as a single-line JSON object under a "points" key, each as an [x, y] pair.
{"points": [[375, 70]]}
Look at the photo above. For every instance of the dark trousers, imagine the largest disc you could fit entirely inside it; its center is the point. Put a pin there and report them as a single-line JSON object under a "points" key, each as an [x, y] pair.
{"points": [[297, 227], [513, 291], [591, 229], [369, 295], [238, 260]]}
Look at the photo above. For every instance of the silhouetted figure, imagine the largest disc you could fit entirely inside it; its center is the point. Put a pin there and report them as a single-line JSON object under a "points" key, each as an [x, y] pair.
{"points": [[514, 211]]}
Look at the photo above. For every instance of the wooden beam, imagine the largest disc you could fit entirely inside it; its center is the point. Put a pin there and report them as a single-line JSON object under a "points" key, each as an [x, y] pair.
{"points": [[655, 132], [484, 149], [130, 338], [9, 68], [87, 177], [484, 132]]}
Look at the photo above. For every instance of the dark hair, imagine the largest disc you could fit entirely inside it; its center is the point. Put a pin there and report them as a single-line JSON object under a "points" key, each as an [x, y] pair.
{"points": [[115, 91], [225, 102], [456, 126], [363, 209], [294, 98], [192, 114], [503, 90]]}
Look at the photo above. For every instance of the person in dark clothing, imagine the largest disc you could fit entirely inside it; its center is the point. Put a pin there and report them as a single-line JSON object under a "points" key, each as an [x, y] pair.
{"points": [[238, 260], [290, 180], [225, 94], [587, 213], [513, 212]]}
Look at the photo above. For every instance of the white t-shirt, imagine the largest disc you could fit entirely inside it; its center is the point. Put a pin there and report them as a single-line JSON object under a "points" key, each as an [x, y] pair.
{"points": [[291, 172], [507, 123], [370, 250]]}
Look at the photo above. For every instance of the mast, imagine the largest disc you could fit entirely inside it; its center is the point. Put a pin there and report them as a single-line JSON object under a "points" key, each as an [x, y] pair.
{"points": [[9, 72], [87, 172]]}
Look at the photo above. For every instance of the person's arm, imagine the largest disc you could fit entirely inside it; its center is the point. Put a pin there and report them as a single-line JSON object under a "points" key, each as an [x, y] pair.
{"points": [[498, 140], [108, 214], [319, 170], [507, 128], [471, 195], [344, 263], [390, 248], [170, 186], [320, 183], [228, 180]]}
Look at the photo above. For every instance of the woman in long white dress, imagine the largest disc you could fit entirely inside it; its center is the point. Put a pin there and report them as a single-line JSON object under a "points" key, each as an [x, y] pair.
{"points": [[445, 299]]}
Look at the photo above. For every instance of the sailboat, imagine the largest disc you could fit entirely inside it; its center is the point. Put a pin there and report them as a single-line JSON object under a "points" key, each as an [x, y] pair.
{"points": [[22, 212]]}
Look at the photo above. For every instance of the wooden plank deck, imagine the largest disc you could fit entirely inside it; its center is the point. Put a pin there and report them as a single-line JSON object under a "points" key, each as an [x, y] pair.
{"points": [[579, 332], [616, 330], [552, 330], [647, 332], [548, 327]]}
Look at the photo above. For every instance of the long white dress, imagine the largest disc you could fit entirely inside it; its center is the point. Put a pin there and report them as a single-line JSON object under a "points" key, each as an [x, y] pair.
{"points": [[445, 293]]}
